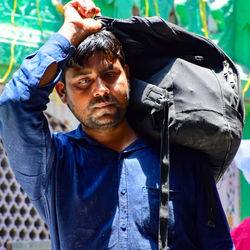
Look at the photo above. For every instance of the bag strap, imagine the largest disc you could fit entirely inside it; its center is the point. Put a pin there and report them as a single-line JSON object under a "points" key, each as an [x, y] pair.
{"points": [[161, 104], [164, 177]]}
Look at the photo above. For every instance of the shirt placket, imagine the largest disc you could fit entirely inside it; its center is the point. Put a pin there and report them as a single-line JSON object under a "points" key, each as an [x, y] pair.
{"points": [[123, 204]]}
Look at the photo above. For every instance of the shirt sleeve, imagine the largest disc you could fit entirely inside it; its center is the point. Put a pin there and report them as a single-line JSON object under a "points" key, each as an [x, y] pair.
{"points": [[23, 127]]}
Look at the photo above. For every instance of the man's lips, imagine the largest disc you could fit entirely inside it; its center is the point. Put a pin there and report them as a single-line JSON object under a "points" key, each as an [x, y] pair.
{"points": [[102, 105]]}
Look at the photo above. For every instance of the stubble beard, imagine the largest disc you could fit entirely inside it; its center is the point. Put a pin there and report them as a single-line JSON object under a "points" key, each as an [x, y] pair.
{"points": [[106, 121], [101, 119]]}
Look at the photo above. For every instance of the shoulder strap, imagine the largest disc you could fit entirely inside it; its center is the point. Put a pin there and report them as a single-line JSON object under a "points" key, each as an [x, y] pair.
{"points": [[161, 104], [164, 185]]}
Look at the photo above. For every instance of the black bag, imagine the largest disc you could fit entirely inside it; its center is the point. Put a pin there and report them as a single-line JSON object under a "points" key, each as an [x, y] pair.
{"points": [[184, 89]]}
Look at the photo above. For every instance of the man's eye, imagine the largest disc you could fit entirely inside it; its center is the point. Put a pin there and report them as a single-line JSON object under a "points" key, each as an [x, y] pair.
{"points": [[110, 75], [84, 81]]}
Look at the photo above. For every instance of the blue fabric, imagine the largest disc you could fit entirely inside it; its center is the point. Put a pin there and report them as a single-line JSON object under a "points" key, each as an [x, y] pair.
{"points": [[90, 196]]}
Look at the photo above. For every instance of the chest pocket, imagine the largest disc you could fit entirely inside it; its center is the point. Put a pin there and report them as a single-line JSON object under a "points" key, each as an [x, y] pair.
{"points": [[150, 210]]}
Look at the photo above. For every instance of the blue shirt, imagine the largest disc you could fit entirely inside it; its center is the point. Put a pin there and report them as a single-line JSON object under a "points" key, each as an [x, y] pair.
{"points": [[90, 196]]}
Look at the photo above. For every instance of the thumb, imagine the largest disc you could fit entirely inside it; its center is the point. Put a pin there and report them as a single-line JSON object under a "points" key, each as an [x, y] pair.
{"points": [[89, 25]]}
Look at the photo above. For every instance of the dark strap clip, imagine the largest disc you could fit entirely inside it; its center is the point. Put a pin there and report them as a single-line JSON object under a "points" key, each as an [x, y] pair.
{"points": [[156, 97]]}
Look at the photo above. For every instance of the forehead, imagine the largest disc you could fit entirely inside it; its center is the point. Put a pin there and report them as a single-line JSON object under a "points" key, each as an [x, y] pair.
{"points": [[98, 58], [96, 62]]}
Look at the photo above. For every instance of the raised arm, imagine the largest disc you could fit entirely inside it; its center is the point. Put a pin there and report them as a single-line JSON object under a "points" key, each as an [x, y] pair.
{"points": [[23, 127], [78, 24]]}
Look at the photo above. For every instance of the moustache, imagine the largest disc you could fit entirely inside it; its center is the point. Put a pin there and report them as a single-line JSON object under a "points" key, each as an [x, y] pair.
{"points": [[103, 99]]}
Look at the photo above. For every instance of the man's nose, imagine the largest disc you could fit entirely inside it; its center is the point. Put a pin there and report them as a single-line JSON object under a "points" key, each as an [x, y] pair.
{"points": [[100, 88]]}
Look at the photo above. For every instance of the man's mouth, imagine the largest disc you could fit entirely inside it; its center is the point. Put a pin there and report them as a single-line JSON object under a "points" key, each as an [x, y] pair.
{"points": [[102, 105]]}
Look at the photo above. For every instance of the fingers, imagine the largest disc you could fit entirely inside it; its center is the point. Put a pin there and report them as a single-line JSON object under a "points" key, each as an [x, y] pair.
{"points": [[85, 8], [78, 21], [77, 11], [91, 26]]}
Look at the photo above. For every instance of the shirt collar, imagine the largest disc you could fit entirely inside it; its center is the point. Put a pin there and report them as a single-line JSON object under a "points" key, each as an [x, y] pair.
{"points": [[79, 134]]}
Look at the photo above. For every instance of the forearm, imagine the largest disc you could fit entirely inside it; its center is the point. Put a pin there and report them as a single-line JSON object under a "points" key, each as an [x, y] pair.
{"points": [[23, 127], [49, 74], [71, 33]]}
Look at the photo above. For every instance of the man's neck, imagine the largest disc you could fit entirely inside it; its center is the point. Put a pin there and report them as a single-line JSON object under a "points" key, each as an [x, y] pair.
{"points": [[117, 138]]}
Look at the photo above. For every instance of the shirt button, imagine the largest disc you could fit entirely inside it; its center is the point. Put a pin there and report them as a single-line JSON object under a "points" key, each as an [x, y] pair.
{"points": [[123, 227], [123, 191]]}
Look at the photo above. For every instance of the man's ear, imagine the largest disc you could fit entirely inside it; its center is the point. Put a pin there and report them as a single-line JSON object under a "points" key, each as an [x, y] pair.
{"points": [[61, 91]]}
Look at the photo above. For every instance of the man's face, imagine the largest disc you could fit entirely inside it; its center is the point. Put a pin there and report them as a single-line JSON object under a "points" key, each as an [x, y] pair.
{"points": [[98, 93]]}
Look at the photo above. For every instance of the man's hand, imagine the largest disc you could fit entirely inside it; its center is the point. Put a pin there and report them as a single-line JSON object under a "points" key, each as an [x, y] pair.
{"points": [[78, 24], [78, 21]]}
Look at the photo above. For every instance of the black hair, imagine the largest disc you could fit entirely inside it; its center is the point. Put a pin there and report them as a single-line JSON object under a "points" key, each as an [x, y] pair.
{"points": [[103, 41]]}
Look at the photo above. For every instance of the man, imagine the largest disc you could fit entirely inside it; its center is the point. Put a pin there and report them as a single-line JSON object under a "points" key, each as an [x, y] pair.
{"points": [[98, 187]]}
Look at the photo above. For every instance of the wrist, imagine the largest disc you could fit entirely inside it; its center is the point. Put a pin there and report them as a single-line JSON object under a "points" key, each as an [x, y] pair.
{"points": [[73, 33]]}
